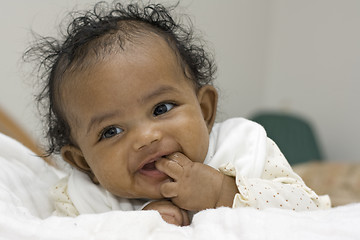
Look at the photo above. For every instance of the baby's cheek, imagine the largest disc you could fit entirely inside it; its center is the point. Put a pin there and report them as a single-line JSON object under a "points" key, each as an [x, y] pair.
{"points": [[200, 149], [203, 147], [108, 179]]}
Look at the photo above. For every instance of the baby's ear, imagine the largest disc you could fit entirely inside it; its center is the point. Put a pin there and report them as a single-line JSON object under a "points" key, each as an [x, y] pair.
{"points": [[75, 157], [208, 97]]}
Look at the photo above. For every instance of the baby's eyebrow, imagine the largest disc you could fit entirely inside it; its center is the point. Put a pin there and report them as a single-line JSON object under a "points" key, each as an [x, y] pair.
{"points": [[157, 92], [96, 120]]}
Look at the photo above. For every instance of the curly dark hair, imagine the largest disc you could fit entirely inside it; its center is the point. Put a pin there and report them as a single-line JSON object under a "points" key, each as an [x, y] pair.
{"points": [[99, 32]]}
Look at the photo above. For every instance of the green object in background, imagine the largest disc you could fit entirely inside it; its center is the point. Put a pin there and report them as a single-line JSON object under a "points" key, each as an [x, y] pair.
{"points": [[293, 134]]}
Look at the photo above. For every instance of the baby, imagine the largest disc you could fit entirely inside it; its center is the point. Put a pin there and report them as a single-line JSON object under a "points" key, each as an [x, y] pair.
{"points": [[131, 104]]}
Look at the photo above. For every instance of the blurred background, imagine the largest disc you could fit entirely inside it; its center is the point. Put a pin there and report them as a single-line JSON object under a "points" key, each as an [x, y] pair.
{"points": [[295, 56]]}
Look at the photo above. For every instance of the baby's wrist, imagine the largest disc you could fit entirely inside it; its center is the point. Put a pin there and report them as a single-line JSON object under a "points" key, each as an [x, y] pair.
{"points": [[227, 192]]}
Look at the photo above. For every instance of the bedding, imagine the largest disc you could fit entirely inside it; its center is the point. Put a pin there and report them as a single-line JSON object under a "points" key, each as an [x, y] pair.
{"points": [[26, 213]]}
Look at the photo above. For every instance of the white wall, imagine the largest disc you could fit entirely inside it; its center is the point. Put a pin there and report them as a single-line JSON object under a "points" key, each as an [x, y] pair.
{"points": [[313, 68], [237, 31], [17, 19], [297, 55]]}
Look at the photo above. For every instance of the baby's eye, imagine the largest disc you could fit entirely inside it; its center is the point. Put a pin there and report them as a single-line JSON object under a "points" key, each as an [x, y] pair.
{"points": [[110, 132], [163, 108]]}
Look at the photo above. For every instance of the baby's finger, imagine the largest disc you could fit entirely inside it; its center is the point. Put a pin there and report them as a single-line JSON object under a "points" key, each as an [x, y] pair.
{"points": [[171, 219], [169, 167], [180, 158], [185, 218], [169, 190]]}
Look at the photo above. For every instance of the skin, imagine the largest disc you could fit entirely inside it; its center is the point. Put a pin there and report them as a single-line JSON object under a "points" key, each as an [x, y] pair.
{"points": [[170, 212], [141, 129]]}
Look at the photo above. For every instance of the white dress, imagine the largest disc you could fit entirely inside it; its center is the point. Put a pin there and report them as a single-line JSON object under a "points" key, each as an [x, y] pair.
{"points": [[239, 148]]}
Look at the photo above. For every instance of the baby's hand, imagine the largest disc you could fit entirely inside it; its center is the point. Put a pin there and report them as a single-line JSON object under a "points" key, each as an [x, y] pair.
{"points": [[196, 186], [169, 212]]}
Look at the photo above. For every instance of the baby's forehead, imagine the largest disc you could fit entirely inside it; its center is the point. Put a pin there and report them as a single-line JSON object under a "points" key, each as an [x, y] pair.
{"points": [[105, 49], [134, 51]]}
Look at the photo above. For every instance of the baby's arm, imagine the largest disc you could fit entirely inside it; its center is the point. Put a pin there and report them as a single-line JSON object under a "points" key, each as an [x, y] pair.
{"points": [[169, 212], [196, 186], [279, 186]]}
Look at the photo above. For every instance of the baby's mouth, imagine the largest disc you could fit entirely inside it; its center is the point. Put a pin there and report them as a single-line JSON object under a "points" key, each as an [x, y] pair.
{"points": [[149, 166], [150, 170]]}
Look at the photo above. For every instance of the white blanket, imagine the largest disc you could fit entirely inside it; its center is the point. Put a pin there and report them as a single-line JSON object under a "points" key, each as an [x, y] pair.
{"points": [[25, 213]]}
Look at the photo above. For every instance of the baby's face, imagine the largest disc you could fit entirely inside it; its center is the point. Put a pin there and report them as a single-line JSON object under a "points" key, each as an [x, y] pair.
{"points": [[129, 111]]}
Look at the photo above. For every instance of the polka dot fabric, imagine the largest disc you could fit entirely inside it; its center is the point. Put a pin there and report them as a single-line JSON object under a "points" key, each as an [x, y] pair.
{"points": [[62, 202], [278, 187]]}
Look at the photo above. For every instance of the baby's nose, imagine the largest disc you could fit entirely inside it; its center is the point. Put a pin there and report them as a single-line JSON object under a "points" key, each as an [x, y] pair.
{"points": [[145, 136]]}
